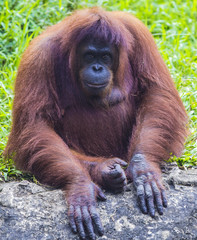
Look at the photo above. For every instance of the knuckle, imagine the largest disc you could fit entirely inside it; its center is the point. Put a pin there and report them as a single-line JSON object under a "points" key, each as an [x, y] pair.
{"points": [[123, 178], [95, 218], [149, 195], [78, 219], [140, 194], [157, 193], [138, 182], [140, 189], [87, 219], [156, 190], [119, 171], [112, 161], [94, 215], [116, 160]]}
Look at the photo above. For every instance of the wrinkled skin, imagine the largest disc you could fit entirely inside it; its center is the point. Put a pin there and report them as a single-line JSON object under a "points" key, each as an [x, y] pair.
{"points": [[150, 191], [97, 64], [81, 198], [82, 213], [110, 175]]}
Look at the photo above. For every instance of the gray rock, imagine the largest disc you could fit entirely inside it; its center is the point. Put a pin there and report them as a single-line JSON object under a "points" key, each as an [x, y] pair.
{"points": [[32, 212]]}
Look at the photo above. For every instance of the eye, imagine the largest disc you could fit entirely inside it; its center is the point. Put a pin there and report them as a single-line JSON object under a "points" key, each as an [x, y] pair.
{"points": [[89, 57], [106, 58]]}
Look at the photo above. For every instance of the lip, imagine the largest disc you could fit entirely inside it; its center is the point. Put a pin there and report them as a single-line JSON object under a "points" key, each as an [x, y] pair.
{"points": [[97, 85]]}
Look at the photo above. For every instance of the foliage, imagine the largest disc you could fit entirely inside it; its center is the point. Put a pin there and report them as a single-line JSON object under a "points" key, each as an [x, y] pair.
{"points": [[173, 24]]}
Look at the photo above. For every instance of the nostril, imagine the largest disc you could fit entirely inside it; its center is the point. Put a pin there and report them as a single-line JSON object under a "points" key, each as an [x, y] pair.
{"points": [[97, 67]]}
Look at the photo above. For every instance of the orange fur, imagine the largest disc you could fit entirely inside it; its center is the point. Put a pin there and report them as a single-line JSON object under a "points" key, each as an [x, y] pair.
{"points": [[52, 145]]}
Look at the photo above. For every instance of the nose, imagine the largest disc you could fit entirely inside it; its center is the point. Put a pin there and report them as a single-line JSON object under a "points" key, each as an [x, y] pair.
{"points": [[97, 68]]}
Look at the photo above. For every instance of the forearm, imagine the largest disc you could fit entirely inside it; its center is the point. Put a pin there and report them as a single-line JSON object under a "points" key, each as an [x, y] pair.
{"points": [[160, 127], [89, 159], [89, 163], [48, 157]]}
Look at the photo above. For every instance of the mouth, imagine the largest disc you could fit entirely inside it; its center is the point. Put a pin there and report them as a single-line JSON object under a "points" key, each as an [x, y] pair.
{"points": [[97, 85]]}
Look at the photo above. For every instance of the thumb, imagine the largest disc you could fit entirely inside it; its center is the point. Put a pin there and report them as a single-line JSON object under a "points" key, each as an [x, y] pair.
{"points": [[100, 195], [121, 162], [129, 175]]}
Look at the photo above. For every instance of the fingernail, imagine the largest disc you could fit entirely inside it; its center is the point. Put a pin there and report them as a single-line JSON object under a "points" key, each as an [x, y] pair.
{"points": [[101, 232], [152, 214], [145, 211], [93, 237], [103, 196], [160, 211]]}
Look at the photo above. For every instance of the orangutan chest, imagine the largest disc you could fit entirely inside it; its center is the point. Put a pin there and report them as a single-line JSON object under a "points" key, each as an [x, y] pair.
{"points": [[97, 133]]}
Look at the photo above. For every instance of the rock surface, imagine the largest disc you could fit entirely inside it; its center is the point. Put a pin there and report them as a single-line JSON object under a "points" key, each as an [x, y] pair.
{"points": [[32, 212]]}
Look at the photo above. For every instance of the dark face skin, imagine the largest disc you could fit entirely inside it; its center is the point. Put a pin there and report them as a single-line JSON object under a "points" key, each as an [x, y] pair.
{"points": [[97, 62]]}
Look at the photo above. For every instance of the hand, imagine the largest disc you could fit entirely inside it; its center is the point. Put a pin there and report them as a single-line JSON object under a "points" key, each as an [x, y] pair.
{"points": [[110, 175], [82, 211], [150, 191]]}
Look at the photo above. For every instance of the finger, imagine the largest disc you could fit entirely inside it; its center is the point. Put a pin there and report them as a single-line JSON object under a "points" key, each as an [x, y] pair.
{"points": [[121, 179], [129, 174], [157, 197], [96, 220], [71, 219], [88, 223], [78, 222], [149, 199], [121, 162], [163, 194], [141, 198], [99, 194], [116, 172], [164, 199], [133, 172]]}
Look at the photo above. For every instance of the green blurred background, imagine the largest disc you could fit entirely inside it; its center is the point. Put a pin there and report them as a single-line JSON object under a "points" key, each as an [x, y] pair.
{"points": [[172, 23]]}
